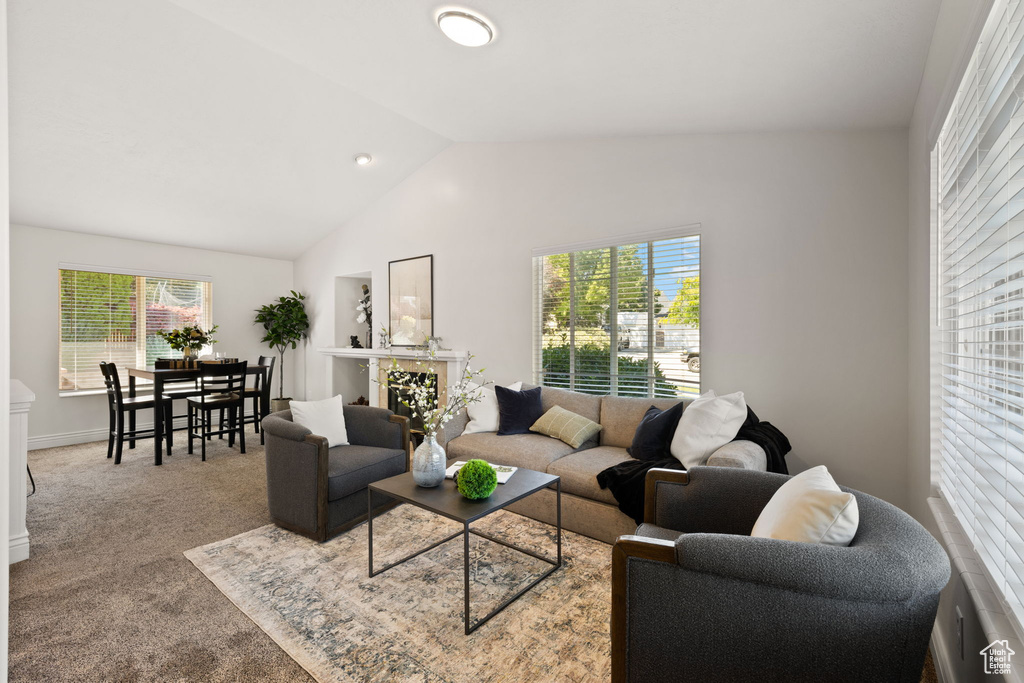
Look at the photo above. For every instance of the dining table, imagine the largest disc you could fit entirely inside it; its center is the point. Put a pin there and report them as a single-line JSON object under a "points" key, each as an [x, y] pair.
{"points": [[161, 376]]}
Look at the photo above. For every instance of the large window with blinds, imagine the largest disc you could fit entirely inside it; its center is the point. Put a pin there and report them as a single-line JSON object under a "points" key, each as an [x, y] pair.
{"points": [[117, 316], [621, 319], [978, 182]]}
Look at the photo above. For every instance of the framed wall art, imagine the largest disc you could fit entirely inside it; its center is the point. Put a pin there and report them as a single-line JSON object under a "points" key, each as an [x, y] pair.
{"points": [[411, 300]]}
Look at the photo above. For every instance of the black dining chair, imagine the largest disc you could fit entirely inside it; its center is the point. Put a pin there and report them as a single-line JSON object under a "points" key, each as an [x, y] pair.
{"points": [[119, 407], [173, 391], [255, 392], [222, 386]]}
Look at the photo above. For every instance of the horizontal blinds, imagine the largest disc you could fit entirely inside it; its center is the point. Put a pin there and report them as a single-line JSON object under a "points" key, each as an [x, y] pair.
{"points": [[101, 320], [619, 320], [980, 235]]}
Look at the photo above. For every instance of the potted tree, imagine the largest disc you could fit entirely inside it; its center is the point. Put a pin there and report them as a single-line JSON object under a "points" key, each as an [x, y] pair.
{"points": [[286, 324]]}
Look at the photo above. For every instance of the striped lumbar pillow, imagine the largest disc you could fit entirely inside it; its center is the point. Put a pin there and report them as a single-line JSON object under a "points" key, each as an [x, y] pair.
{"points": [[569, 427]]}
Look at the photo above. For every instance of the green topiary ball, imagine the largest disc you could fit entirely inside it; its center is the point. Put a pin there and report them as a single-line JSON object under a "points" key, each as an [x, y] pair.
{"points": [[477, 479]]}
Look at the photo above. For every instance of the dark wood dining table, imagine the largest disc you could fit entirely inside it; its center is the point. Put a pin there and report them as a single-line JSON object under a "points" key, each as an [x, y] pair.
{"points": [[162, 376]]}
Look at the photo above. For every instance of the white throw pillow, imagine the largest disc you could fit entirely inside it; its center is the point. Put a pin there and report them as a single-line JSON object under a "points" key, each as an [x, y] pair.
{"points": [[483, 414], [323, 418], [810, 508], [706, 425]]}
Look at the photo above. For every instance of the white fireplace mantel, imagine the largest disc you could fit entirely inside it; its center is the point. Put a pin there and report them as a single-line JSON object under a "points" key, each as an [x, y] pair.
{"points": [[454, 363], [393, 352]]}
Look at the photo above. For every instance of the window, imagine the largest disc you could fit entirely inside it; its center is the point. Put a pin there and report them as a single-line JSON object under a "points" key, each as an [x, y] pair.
{"points": [[622, 319], [978, 165], [101, 319]]}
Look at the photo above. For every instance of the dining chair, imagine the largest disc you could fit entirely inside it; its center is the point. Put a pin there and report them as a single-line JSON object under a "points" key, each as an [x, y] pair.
{"points": [[173, 391], [222, 386], [255, 392], [119, 406]]}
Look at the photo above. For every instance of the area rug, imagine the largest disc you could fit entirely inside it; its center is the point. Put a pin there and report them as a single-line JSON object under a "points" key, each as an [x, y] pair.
{"points": [[406, 624]]}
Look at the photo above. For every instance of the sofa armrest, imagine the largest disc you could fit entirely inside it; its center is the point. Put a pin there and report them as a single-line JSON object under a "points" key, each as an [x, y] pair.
{"points": [[281, 425], [453, 428], [854, 573], [668, 485], [708, 499], [629, 549], [745, 455], [297, 480]]}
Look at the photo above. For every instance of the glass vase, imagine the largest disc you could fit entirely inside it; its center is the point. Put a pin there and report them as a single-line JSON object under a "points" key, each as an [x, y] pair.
{"points": [[428, 463]]}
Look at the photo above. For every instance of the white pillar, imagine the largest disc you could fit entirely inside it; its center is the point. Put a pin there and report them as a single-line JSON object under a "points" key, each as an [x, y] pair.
{"points": [[21, 402]]}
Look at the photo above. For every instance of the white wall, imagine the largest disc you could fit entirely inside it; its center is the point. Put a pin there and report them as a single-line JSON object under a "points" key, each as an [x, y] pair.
{"points": [[240, 285], [5, 356], [804, 270]]}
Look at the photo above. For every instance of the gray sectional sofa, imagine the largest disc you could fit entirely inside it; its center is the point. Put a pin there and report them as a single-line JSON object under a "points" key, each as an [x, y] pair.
{"points": [[586, 508]]}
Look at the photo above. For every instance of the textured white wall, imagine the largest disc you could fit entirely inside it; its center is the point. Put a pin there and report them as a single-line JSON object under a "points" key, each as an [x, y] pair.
{"points": [[803, 273], [240, 285]]}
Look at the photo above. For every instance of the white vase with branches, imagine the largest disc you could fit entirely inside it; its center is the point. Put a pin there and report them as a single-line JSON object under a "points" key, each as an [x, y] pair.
{"points": [[415, 387]]}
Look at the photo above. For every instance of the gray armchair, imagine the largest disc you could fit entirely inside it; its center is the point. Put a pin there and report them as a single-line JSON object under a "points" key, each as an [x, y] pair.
{"points": [[319, 491], [694, 597]]}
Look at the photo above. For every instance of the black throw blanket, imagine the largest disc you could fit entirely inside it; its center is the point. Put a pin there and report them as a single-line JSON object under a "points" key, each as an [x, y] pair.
{"points": [[627, 480]]}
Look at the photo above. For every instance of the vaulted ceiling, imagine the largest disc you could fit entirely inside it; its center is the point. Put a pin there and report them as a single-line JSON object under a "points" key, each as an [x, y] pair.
{"points": [[232, 124]]}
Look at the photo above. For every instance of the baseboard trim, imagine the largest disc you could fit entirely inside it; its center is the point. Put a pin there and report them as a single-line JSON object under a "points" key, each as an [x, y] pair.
{"points": [[940, 656], [18, 548], [36, 443]]}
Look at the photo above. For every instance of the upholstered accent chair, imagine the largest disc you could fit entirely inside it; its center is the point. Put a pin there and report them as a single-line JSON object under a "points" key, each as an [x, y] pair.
{"points": [[320, 492], [695, 597]]}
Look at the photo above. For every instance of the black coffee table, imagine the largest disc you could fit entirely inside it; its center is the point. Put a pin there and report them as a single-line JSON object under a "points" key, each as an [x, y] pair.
{"points": [[445, 500]]}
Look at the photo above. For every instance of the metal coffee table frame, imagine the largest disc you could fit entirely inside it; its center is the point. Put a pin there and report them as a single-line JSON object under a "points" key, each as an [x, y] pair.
{"points": [[446, 501]]}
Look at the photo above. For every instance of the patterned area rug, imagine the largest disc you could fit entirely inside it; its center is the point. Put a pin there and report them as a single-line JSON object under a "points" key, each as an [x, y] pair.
{"points": [[406, 624]]}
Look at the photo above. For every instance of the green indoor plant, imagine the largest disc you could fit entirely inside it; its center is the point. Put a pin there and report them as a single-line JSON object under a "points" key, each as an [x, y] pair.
{"points": [[189, 339], [286, 324], [477, 479]]}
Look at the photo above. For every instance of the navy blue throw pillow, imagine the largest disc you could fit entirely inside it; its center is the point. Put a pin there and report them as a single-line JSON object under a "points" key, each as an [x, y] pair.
{"points": [[517, 410], [654, 433]]}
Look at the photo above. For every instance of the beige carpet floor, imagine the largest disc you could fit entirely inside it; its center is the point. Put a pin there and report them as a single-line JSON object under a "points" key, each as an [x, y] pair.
{"points": [[107, 594], [406, 624]]}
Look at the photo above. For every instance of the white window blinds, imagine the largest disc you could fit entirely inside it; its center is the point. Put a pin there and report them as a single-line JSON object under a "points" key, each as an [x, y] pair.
{"points": [[116, 317], [621, 320], [979, 162]]}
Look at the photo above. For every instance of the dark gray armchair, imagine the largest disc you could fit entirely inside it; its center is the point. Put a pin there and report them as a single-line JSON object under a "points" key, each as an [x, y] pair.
{"points": [[319, 491], [694, 597]]}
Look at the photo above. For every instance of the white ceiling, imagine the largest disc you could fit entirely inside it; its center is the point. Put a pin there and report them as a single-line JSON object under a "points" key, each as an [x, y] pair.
{"points": [[231, 124], [587, 68]]}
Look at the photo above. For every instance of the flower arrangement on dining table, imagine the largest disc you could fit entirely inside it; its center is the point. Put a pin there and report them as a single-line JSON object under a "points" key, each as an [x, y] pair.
{"points": [[189, 338]]}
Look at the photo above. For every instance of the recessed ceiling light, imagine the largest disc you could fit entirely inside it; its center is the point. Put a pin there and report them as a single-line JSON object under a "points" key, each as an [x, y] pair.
{"points": [[363, 159], [465, 28]]}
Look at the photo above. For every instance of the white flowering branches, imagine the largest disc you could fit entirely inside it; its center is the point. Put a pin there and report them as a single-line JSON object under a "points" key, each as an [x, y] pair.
{"points": [[416, 389], [365, 309]]}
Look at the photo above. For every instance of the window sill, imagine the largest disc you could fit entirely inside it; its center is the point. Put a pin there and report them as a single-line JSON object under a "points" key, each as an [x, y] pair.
{"points": [[89, 392]]}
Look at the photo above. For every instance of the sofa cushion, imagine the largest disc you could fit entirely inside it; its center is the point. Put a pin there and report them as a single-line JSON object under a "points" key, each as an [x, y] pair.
{"points": [[517, 410], [566, 426], [620, 416], [352, 468], [324, 418], [587, 405], [532, 451], [579, 471], [654, 433]]}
